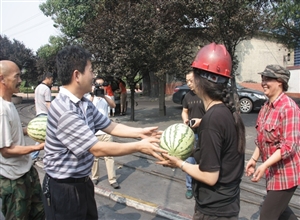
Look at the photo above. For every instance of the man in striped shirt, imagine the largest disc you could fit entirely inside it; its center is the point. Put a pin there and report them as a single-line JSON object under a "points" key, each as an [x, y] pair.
{"points": [[71, 143]]}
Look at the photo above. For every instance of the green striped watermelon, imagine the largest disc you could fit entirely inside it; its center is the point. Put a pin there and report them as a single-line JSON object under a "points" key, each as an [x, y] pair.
{"points": [[178, 140], [36, 128]]}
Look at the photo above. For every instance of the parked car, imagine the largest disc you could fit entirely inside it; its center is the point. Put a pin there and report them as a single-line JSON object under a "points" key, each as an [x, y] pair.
{"points": [[250, 99]]}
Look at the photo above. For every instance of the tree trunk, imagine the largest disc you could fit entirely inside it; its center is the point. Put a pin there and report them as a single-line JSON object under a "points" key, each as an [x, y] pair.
{"points": [[161, 96], [154, 85], [146, 85], [132, 102]]}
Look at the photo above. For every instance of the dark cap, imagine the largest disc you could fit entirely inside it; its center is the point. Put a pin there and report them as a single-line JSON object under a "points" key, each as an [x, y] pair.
{"points": [[276, 71]]}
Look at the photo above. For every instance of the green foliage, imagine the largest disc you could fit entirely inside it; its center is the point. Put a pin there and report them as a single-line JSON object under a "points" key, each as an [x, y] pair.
{"points": [[26, 88], [284, 22], [17, 52], [70, 16], [47, 55], [137, 37]]}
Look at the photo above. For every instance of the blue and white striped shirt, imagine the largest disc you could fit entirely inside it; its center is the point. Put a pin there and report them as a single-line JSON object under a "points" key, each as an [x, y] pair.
{"points": [[71, 127]]}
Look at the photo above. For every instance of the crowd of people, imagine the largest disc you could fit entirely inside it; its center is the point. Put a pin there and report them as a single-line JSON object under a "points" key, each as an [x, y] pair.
{"points": [[79, 131]]}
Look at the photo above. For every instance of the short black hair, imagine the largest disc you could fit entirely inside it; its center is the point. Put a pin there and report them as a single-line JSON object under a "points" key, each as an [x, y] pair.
{"points": [[48, 75], [68, 60]]}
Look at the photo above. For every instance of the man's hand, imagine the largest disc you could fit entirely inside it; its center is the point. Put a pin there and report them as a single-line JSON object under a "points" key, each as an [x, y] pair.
{"points": [[150, 132], [40, 146], [150, 146], [197, 122]]}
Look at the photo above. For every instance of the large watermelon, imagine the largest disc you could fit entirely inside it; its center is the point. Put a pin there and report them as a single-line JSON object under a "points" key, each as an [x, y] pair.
{"points": [[178, 140], [36, 128]]}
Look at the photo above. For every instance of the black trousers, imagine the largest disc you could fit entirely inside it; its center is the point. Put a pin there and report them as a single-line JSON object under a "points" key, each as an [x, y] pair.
{"points": [[65, 201], [275, 205]]}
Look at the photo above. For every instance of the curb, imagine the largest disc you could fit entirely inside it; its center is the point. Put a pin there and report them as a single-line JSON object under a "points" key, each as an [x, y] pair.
{"points": [[137, 203]]}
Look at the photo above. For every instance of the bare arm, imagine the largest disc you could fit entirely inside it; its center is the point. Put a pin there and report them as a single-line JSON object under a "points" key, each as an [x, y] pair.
{"points": [[250, 167], [122, 130], [260, 171], [109, 101], [185, 115], [147, 146], [209, 178], [15, 151]]}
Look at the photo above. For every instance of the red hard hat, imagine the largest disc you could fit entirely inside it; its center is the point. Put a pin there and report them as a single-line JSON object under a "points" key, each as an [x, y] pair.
{"points": [[214, 58]]}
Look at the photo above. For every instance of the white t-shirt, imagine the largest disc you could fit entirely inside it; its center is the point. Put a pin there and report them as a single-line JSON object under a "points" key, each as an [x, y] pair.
{"points": [[42, 95], [102, 105], [12, 134]]}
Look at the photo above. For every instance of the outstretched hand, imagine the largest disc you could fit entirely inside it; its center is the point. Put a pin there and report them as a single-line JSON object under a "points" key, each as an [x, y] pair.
{"points": [[150, 146], [170, 161], [150, 132]]}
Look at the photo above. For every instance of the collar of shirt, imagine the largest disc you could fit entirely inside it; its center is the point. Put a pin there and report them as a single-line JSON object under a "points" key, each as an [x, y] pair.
{"points": [[66, 92], [80, 102], [276, 101]]}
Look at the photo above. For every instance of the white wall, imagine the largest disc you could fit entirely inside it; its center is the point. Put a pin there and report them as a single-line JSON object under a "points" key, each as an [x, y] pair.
{"points": [[294, 82], [255, 54]]}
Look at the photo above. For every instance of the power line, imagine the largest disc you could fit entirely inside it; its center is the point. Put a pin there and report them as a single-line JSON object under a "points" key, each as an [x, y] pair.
{"points": [[29, 19], [28, 29]]}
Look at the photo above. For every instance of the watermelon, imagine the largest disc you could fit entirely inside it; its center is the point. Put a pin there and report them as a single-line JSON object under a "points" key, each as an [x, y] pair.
{"points": [[36, 128], [178, 139]]}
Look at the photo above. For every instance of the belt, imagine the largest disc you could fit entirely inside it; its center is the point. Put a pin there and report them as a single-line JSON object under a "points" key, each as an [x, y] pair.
{"points": [[72, 180]]}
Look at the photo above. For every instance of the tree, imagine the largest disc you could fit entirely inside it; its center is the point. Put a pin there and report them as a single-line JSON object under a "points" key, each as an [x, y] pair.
{"points": [[152, 38], [46, 55], [22, 56], [71, 16], [132, 38], [285, 22]]}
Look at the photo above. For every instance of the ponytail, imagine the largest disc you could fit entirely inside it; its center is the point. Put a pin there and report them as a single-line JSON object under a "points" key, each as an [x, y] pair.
{"points": [[239, 124]]}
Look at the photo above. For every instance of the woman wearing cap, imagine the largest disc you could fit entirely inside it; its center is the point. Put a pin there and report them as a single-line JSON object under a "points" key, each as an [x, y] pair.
{"points": [[221, 145], [278, 145]]}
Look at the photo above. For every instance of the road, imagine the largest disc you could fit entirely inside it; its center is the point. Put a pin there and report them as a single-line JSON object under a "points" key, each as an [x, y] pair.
{"points": [[142, 179]]}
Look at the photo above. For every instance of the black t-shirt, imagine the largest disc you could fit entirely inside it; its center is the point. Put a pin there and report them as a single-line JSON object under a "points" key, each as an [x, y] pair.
{"points": [[217, 151], [194, 105]]}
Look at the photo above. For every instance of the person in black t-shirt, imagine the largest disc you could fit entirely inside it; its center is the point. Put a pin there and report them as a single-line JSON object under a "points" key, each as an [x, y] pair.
{"points": [[220, 150], [192, 112]]}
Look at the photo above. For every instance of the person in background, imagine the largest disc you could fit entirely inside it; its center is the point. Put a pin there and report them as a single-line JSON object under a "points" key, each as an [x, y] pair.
{"points": [[192, 112], [277, 144], [20, 188], [123, 96], [71, 144], [220, 150], [42, 97], [102, 103], [110, 93]]}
